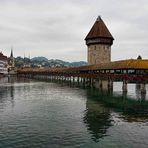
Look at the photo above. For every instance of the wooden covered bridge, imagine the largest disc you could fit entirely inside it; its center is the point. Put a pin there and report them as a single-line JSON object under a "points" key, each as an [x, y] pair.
{"points": [[127, 71]]}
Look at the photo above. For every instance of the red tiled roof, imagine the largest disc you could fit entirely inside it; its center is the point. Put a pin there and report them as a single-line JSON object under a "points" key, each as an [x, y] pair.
{"points": [[99, 30]]}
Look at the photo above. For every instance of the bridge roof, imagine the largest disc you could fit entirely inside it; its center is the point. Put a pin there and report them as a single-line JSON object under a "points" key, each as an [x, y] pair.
{"points": [[98, 30], [123, 64]]}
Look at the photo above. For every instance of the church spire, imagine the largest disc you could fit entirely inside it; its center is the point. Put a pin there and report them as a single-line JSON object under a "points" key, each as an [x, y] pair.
{"points": [[11, 55]]}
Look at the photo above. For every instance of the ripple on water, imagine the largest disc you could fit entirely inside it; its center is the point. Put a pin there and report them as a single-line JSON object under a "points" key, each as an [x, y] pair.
{"points": [[39, 114]]}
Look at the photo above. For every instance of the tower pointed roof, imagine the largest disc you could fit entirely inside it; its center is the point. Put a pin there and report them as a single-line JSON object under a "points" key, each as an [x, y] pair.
{"points": [[11, 55], [99, 30]]}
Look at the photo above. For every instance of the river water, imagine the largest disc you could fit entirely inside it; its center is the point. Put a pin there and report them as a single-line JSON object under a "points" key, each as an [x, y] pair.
{"points": [[37, 114]]}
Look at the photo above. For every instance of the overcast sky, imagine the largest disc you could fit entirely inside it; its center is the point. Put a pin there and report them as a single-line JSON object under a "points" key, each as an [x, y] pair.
{"points": [[57, 28]]}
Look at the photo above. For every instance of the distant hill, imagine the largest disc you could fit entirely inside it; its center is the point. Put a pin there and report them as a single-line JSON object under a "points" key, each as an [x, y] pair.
{"points": [[44, 62], [39, 59], [76, 64]]}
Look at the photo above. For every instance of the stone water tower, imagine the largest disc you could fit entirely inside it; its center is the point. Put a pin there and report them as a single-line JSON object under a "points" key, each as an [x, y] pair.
{"points": [[99, 41]]}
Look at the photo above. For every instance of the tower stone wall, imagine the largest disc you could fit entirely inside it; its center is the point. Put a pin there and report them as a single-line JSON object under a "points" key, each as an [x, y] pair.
{"points": [[99, 53]]}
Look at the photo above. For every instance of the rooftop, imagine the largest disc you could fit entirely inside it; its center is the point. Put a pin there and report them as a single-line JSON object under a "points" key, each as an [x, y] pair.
{"points": [[2, 57], [99, 30]]}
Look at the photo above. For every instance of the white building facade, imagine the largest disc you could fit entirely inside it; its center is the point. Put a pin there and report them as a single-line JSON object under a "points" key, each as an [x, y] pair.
{"points": [[3, 64]]}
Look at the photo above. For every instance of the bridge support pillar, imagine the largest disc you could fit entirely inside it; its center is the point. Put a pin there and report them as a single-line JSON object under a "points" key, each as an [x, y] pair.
{"points": [[81, 80], [143, 89], [124, 86], [73, 79], [110, 84], [100, 84], [84, 82], [78, 80], [93, 83], [89, 82]]}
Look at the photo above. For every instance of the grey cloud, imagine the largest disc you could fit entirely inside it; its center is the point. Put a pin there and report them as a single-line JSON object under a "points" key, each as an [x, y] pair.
{"points": [[56, 29]]}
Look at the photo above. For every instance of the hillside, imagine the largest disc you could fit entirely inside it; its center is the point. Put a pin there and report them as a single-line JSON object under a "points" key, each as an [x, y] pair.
{"points": [[44, 62]]}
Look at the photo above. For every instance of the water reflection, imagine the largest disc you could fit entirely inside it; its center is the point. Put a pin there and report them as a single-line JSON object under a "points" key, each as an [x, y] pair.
{"points": [[139, 95], [7, 90], [97, 119], [6, 93], [100, 106]]}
